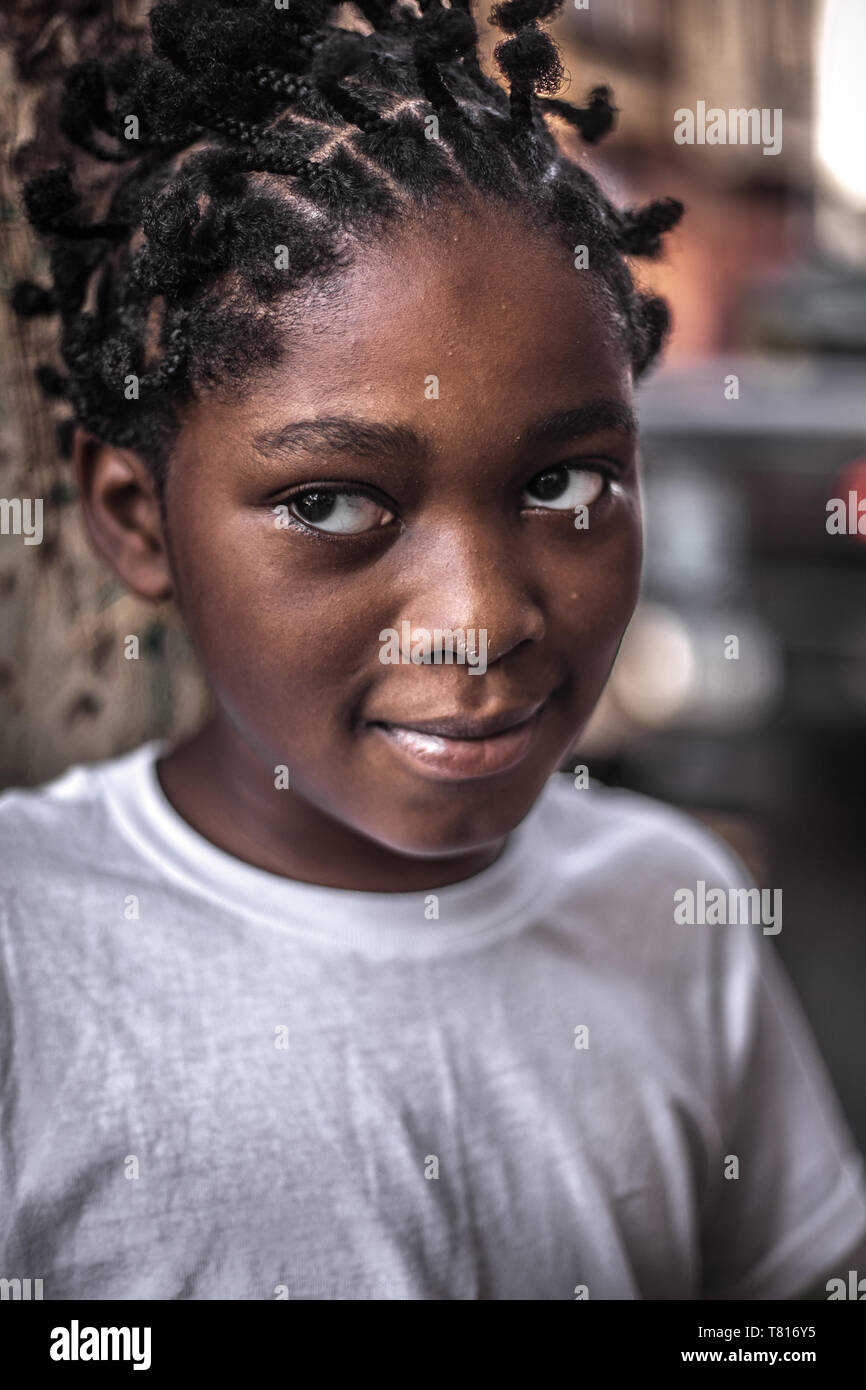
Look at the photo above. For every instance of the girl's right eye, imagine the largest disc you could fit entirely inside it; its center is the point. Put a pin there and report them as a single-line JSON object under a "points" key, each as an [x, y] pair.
{"points": [[341, 513]]}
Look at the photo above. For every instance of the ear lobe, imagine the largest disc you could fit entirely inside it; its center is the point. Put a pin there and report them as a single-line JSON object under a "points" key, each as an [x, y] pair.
{"points": [[120, 501]]}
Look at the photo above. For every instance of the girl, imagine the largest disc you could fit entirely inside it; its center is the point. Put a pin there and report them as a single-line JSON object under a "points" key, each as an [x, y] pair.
{"points": [[351, 995]]}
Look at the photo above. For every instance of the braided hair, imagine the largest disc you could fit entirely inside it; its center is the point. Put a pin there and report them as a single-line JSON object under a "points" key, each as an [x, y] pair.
{"points": [[250, 125]]}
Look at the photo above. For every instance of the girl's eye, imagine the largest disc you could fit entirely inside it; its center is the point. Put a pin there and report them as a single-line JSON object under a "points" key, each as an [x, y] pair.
{"points": [[346, 513], [565, 486]]}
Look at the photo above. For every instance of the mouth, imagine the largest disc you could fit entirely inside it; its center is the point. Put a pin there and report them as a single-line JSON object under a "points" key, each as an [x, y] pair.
{"points": [[465, 746]]}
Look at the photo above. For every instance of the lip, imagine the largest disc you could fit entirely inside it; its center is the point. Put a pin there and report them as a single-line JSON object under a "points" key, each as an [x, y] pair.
{"points": [[465, 726], [463, 746]]}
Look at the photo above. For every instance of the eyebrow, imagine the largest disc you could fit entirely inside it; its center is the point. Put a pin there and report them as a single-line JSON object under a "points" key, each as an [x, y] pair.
{"points": [[591, 418], [343, 433], [339, 434]]}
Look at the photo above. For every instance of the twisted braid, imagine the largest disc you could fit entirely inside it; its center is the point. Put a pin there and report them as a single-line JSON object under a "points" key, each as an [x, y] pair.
{"points": [[257, 127]]}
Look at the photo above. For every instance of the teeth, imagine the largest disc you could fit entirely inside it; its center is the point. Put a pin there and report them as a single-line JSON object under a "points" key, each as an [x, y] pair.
{"points": [[422, 743]]}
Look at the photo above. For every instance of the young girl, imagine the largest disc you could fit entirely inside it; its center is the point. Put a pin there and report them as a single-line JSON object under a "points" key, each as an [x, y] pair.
{"points": [[352, 995]]}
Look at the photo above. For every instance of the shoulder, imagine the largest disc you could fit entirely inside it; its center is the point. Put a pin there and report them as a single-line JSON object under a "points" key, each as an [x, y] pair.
{"points": [[59, 830], [617, 863], [643, 839]]}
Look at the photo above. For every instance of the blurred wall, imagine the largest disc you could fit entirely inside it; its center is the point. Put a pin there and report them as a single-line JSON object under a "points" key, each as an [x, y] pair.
{"points": [[66, 692]]}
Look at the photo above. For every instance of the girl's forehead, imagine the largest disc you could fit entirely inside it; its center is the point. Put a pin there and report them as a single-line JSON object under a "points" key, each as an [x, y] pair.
{"points": [[465, 329], [473, 297], [465, 357]]}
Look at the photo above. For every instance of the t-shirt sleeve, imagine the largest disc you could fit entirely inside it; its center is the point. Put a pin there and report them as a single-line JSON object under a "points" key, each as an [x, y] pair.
{"points": [[797, 1206]]}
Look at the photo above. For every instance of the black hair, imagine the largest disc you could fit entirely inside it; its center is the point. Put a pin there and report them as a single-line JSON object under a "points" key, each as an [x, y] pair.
{"points": [[251, 125]]}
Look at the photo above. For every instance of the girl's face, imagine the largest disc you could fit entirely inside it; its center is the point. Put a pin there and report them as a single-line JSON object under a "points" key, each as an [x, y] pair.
{"points": [[432, 437]]}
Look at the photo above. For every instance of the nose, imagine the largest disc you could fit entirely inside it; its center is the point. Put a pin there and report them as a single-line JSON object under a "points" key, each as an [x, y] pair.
{"points": [[472, 579]]}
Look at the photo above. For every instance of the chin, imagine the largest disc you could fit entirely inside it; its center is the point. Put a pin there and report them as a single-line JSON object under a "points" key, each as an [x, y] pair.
{"points": [[469, 821]]}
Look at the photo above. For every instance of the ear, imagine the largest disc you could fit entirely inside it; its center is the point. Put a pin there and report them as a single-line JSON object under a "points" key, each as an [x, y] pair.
{"points": [[121, 510]]}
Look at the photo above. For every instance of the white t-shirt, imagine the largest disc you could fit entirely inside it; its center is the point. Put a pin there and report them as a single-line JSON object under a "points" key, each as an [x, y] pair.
{"points": [[218, 1083]]}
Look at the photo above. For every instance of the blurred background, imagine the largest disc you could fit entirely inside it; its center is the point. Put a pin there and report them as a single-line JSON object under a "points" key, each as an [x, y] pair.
{"points": [[740, 691]]}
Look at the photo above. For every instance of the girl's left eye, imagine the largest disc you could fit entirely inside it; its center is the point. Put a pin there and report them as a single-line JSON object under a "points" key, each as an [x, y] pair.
{"points": [[565, 486], [343, 513]]}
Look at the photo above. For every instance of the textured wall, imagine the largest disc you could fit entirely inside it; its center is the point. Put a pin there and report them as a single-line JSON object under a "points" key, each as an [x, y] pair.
{"points": [[67, 692]]}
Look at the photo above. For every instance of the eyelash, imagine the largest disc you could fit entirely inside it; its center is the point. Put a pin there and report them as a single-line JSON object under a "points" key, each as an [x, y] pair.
{"points": [[606, 471]]}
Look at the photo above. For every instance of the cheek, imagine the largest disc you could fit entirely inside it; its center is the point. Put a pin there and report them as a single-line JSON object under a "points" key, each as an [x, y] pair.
{"points": [[266, 632], [594, 588]]}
